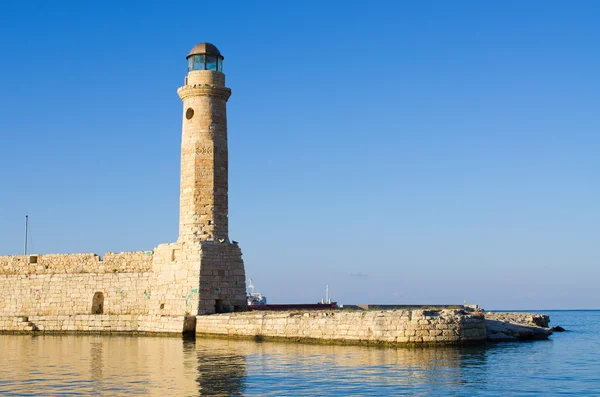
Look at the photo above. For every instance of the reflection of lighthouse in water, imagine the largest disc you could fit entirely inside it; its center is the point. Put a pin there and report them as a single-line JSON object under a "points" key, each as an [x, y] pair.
{"points": [[255, 298]]}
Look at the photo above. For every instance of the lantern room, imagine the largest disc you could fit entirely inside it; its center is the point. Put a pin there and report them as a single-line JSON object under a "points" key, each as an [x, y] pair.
{"points": [[205, 56]]}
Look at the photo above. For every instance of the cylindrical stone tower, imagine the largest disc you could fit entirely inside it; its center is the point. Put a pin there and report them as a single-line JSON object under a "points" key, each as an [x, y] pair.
{"points": [[203, 196]]}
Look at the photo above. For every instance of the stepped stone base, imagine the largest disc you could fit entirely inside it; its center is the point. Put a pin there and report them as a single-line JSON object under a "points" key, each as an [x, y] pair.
{"points": [[96, 323]]}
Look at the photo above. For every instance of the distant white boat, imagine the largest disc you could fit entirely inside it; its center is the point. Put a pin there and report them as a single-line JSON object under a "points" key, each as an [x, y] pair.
{"points": [[255, 297]]}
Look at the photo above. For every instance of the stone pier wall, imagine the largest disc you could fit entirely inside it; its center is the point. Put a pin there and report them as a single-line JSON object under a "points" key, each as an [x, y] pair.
{"points": [[388, 327]]}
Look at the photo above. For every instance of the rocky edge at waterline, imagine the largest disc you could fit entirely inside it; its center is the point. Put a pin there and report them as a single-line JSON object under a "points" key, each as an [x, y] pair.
{"points": [[517, 326]]}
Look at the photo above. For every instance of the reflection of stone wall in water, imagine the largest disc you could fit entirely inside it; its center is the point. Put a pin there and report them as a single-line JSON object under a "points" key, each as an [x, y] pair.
{"points": [[99, 365], [348, 355], [221, 369]]}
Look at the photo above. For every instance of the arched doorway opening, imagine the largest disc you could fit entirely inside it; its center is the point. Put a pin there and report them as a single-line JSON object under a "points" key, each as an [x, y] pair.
{"points": [[98, 303]]}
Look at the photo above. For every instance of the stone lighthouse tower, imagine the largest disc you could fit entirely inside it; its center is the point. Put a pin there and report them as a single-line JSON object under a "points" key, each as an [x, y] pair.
{"points": [[203, 200], [203, 217]]}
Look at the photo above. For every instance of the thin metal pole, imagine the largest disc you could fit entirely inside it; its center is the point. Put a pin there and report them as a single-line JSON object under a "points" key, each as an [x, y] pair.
{"points": [[26, 225]]}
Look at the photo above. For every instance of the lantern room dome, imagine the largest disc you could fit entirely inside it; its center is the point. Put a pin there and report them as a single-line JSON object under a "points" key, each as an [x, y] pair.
{"points": [[205, 49]]}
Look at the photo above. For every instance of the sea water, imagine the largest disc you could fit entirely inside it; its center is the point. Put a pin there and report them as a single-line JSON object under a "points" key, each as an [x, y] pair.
{"points": [[55, 365]]}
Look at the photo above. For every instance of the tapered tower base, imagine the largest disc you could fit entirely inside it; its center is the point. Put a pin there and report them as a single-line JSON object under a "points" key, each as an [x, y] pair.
{"points": [[222, 279]]}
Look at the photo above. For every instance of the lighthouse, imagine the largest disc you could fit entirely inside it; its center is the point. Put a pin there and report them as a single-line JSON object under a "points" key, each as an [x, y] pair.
{"points": [[203, 191], [203, 247]]}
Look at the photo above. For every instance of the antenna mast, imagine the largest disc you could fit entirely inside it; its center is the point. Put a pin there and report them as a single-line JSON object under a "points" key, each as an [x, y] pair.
{"points": [[26, 226]]}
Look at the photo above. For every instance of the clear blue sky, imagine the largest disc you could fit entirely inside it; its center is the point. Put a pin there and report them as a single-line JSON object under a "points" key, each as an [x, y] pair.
{"points": [[401, 152]]}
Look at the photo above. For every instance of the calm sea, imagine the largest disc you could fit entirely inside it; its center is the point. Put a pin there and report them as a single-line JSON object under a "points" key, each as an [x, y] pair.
{"points": [[568, 364]]}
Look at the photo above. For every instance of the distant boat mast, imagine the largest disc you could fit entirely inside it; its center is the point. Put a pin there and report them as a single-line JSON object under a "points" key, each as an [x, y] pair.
{"points": [[26, 226], [326, 300]]}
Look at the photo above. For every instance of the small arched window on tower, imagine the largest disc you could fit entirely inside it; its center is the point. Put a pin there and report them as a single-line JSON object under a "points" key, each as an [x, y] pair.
{"points": [[205, 56], [98, 303]]}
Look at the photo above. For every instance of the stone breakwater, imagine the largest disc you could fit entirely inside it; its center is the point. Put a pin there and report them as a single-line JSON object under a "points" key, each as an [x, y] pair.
{"points": [[372, 327], [391, 327]]}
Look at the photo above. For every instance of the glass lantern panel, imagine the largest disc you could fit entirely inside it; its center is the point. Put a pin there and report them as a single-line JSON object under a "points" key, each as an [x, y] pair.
{"points": [[211, 62], [190, 63], [198, 62], [220, 64]]}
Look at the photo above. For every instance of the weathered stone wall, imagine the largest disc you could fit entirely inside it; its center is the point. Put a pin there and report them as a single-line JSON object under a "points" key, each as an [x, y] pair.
{"points": [[222, 279], [68, 294], [168, 282], [394, 327], [197, 278], [124, 262], [174, 290]]}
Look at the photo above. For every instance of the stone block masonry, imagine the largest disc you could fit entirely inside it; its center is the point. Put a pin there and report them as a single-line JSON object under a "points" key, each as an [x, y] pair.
{"points": [[222, 279], [204, 158], [68, 294], [178, 279], [396, 327], [124, 262]]}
